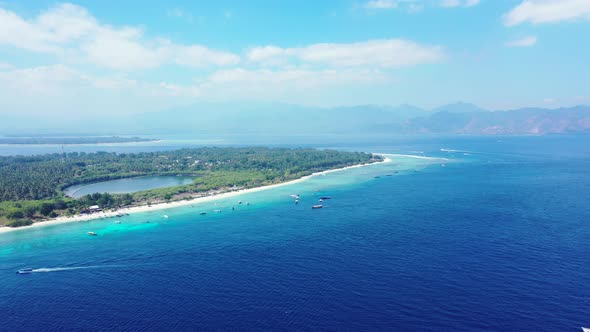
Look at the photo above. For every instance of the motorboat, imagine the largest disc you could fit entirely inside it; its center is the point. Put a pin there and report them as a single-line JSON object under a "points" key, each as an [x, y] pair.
{"points": [[25, 271], [92, 234], [319, 206]]}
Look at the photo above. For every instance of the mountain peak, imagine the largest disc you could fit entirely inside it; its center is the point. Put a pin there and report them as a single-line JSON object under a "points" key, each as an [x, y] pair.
{"points": [[460, 107]]}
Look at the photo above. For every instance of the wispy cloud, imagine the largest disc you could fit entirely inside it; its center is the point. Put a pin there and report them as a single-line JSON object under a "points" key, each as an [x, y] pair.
{"points": [[547, 11], [71, 32], [381, 4], [414, 6], [523, 42], [458, 3], [180, 14], [450, 3], [388, 53]]}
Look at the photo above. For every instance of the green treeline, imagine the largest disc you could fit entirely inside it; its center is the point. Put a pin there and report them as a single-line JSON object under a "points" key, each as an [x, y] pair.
{"points": [[31, 186]]}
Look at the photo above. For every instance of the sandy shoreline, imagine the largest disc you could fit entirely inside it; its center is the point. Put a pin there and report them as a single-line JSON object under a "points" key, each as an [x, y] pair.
{"points": [[162, 206]]}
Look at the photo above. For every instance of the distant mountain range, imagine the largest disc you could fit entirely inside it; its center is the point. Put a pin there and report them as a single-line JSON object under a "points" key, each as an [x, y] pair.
{"points": [[458, 118], [525, 121], [219, 119]]}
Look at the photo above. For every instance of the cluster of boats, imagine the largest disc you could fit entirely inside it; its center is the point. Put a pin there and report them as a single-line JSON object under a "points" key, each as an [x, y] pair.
{"points": [[317, 206]]}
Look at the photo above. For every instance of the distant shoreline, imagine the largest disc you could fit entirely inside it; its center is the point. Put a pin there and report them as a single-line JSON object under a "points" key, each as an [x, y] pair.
{"points": [[90, 140], [162, 206]]}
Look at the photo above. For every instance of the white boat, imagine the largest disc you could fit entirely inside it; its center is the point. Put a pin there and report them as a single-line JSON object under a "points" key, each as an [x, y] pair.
{"points": [[166, 216], [92, 234], [217, 211], [117, 222], [319, 206], [585, 329], [25, 271]]}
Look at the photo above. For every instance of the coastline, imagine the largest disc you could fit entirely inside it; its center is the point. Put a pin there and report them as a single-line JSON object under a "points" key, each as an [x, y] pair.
{"points": [[162, 206]]}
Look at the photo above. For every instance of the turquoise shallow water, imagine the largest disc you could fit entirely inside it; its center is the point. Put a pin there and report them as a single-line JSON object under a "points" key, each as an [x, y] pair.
{"points": [[494, 241]]}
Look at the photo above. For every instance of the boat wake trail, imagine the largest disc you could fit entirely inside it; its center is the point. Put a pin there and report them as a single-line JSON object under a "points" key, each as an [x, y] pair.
{"points": [[69, 268]]}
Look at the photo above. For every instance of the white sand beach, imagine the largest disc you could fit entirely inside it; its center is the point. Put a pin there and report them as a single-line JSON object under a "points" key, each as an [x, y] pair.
{"points": [[161, 206]]}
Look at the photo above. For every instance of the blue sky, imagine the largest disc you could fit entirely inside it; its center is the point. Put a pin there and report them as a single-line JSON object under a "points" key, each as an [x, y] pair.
{"points": [[136, 56]]}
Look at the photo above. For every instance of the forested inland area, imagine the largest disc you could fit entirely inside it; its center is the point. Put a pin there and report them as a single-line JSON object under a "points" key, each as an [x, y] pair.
{"points": [[31, 187]]}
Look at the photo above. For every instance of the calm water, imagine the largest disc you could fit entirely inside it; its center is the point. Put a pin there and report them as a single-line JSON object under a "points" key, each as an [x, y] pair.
{"points": [[494, 241], [123, 186]]}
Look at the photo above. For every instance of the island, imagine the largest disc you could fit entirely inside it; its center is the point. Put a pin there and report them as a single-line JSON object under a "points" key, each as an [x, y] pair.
{"points": [[31, 187], [73, 140]]}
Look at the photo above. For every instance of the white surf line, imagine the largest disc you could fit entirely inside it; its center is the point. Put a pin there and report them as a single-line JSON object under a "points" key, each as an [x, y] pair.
{"points": [[412, 156]]}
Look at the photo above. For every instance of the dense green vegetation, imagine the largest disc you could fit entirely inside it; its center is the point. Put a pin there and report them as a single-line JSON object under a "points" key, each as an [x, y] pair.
{"points": [[30, 186]]}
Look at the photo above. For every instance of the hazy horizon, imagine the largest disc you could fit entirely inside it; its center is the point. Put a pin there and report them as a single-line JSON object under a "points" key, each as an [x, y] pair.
{"points": [[73, 61]]}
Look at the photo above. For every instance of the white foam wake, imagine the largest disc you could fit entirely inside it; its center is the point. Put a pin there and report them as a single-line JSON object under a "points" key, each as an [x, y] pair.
{"points": [[67, 268]]}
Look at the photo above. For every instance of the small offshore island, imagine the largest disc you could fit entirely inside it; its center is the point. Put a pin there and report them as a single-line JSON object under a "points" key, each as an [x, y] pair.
{"points": [[73, 140], [32, 188]]}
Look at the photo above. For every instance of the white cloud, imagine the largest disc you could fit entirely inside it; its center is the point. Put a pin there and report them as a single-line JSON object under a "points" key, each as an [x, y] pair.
{"points": [[297, 76], [180, 14], [4, 65], [523, 42], [71, 32], [41, 80], [458, 3], [450, 3], [60, 93], [547, 11], [63, 90], [373, 53], [381, 4], [414, 6], [293, 85]]}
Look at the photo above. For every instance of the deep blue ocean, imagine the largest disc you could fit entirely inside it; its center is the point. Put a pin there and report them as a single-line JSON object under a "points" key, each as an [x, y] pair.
{"points": [[496, 240]]}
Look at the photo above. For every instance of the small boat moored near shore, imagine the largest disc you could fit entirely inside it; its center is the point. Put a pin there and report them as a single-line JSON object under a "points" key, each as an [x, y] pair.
{"points": [[92, 234], [319, 206], [25, 271]]}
